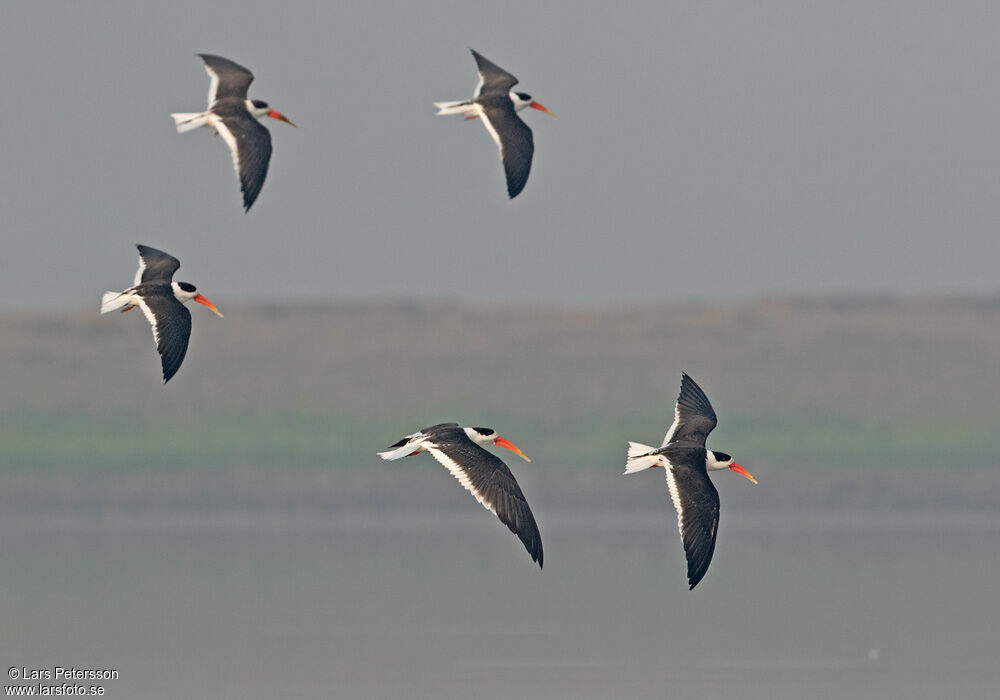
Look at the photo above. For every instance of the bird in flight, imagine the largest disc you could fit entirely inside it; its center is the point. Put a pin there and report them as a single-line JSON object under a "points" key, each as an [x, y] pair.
{"points": [[482, 473], [687, 462], [162, 301], [234, 117], [497, 104]]}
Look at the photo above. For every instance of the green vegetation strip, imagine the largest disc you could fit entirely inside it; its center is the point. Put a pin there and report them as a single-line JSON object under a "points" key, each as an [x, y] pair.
{"points": [[76, 438]]}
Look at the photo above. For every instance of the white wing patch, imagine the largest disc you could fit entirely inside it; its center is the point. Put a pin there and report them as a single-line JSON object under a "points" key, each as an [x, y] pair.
{"points": [[673, 427], [489, 127], [459, 473], [141, 303], [675, 496], [213, 86], [227, 136], [479, 86], [138, 273]]}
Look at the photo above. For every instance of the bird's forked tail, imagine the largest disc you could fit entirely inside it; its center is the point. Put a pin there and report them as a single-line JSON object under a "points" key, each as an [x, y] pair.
{"points": [[460, 107], [113, 300], [187, 121], [400, 451], [641, 457]]}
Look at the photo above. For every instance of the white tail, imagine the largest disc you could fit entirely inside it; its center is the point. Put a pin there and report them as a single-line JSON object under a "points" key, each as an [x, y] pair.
{"points": [[186, 121], [113, 300], [639, 458], [460, 107], [400, 452]]}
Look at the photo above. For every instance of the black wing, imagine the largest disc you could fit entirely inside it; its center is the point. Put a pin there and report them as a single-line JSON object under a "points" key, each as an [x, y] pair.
{"points": [[697, 503], [155, 265], [694, 417], [250, 144], [171, 323], [513, 138], [229, 79], [493, 80], [492, 483]]}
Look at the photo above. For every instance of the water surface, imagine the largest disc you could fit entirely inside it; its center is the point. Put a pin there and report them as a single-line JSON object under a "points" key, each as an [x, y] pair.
{"points": [[382, 604]]}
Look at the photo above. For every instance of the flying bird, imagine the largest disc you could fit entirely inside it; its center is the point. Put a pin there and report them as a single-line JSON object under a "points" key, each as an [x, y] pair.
{"points": [[498, 106], [687, 463], [234, 118], [461, 451], [162, 300]]}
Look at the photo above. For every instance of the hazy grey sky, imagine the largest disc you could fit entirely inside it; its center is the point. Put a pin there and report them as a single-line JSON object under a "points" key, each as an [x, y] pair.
{"points": [[700, 150]]}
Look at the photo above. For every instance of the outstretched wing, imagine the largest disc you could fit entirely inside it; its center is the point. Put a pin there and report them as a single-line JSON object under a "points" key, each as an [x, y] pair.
{"points": [[492, 483], [228, 78], [171, 323], [697, 503], [694, 417], [493, 80], [155, 265], [250, 144], [513, 138]]}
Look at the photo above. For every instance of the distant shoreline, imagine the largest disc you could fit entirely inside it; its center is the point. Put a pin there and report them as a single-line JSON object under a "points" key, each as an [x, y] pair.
{"points": [[805, 384]]}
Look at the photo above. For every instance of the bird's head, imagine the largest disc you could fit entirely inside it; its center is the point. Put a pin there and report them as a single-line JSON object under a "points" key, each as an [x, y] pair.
{"points": [[185, 292], [523, 100], [259, 108], [488, 436], [720, 460]]}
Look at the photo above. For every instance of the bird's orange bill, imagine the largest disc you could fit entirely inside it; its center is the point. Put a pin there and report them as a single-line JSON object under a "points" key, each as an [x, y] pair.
{"points": [[205, 302], [508, 445], [275, 114], [540, 107], [742, 472]]}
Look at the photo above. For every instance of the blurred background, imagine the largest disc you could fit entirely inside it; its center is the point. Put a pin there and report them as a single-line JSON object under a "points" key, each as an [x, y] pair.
{"points": [[794, 204]]}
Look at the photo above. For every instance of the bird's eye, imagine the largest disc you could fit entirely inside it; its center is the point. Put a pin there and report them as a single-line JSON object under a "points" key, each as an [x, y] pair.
{"points": [[260, 104]]}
